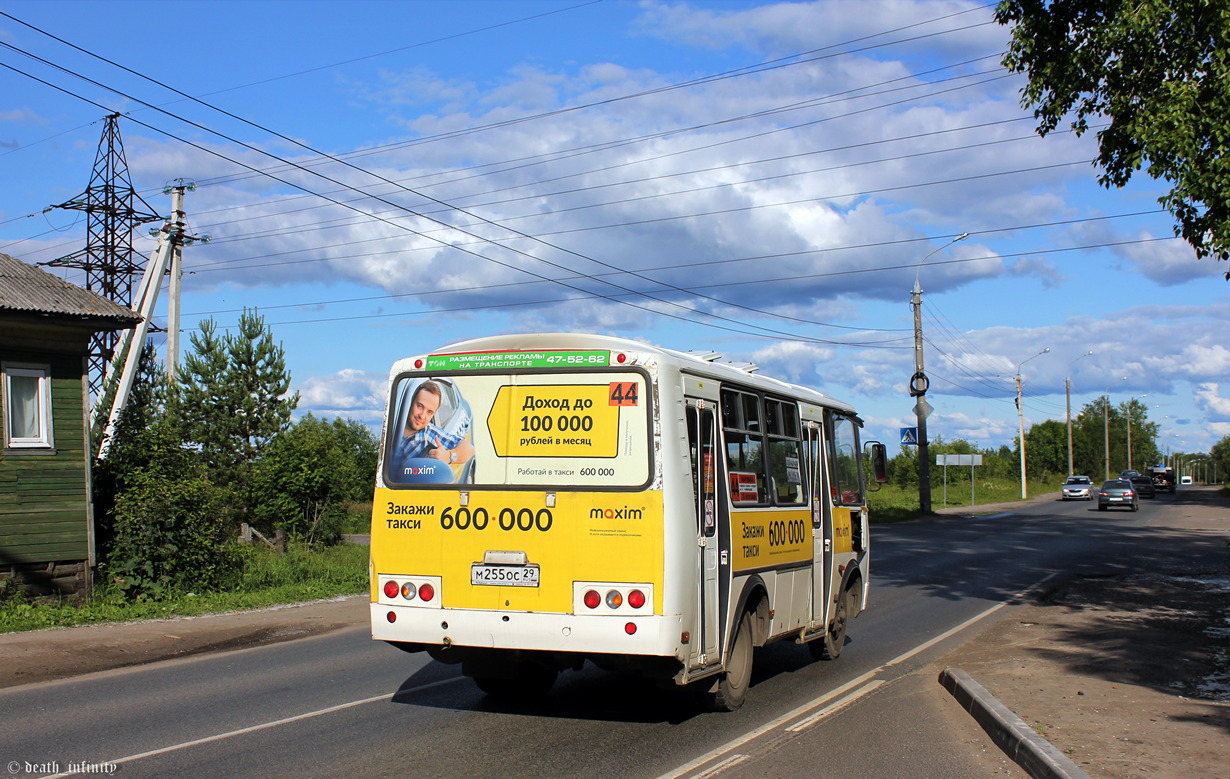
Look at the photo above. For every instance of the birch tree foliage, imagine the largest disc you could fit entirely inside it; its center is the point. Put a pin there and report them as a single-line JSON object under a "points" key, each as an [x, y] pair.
{"points": [[1154, 77]]}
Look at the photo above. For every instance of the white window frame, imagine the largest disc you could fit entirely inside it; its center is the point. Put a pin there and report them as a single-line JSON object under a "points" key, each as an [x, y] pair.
{"points": [[43, 439]]}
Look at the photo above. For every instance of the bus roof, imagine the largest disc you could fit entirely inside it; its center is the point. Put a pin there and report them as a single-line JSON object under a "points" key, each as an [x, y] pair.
{"points": [[692, 362]]}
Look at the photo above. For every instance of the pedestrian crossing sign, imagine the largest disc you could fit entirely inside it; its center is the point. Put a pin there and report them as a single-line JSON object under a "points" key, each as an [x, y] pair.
{"points": [[909, 436]]}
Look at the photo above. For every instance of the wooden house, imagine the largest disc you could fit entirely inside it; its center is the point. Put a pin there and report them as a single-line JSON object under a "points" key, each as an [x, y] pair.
{"points": [[46, 513]]}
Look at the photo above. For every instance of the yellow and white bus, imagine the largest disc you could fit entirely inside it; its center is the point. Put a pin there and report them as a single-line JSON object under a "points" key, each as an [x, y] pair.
{"points": [[543, 500]]}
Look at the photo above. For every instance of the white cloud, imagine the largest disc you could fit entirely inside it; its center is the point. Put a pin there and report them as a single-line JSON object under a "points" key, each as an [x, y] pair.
{"points": [[798, 362], [1209, 399], [348, 393], [1168, 262], [1205, 360]]}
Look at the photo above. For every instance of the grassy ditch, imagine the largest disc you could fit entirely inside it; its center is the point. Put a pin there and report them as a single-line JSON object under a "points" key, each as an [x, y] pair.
{"points": [[897, 504], [266, 579]]}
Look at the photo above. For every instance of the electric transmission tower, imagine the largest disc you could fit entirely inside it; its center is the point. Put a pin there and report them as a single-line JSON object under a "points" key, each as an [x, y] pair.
{"points": [[113, 210]]}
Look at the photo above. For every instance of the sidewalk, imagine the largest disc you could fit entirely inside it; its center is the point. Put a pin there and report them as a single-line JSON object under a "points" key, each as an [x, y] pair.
{"points": [[1126, 670]]}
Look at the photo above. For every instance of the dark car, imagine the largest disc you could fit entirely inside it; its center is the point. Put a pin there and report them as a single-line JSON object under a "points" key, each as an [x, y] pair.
{"points": [[1118, 492], [1078, 488], [1143, 486]]}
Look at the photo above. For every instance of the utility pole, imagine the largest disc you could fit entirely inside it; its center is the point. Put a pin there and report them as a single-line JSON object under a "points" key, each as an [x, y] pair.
{"points": [[177, 227], [113, 209], [918, 388], [1106, 433], [1067, 385], [1020, 415], [171, 240]]}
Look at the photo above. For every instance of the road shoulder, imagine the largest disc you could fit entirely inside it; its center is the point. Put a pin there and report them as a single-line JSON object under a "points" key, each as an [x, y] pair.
{"points": [[57, 653], [1127, 670]]}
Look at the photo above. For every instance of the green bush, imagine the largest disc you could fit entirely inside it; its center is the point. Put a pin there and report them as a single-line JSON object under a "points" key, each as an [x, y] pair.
{"points": [[173, 535], [267, 579], [306, 477]]}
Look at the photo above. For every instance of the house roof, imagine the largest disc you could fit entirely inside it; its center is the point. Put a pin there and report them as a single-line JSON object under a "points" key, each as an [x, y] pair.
{"points": [[29, 290]]}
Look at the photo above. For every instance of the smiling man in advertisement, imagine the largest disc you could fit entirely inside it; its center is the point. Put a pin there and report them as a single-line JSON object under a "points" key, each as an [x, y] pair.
{"points": [[435, 427]]}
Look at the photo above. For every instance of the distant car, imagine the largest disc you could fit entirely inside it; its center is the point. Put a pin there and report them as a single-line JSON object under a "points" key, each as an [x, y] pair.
{"points": [[1118, 492], [1128, 474], [1185, 480], [1078, 488], [1143, 486]]}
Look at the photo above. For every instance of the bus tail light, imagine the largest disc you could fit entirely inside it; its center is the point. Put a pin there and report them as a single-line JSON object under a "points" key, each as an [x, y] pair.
{"points": [[409, 590], [630, 628], [611, 598]]}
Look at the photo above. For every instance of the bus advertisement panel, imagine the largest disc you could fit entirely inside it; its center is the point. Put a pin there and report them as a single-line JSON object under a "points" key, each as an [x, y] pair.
{"points": [[519, 431]]}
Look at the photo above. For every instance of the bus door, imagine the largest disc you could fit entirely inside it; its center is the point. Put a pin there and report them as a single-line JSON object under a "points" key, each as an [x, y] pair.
{"points": [[821, 523], [702, 445]]}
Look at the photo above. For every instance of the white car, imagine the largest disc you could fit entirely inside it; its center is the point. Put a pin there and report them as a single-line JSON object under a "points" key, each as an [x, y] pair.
{"points": [[1185, 480], [1078, 488]]}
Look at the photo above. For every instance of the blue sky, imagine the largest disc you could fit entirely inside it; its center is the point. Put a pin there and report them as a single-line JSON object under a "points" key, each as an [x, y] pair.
{"points": [[380, 179]]}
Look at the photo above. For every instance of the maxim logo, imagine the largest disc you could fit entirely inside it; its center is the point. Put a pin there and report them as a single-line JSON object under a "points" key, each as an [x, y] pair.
{"points": [[423, 471], [623, 513]]}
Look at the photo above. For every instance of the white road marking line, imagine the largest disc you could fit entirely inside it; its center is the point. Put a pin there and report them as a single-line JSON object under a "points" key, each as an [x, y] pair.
{"points": [[262, 726], [807, 722], [733, 760], [735, 743]]}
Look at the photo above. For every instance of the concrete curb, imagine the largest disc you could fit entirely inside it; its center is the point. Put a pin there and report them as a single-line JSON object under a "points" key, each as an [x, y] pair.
{"points": [[1030, 751]]}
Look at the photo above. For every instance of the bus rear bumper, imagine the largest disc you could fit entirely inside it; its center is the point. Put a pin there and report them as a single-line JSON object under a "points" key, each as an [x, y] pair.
{"points": [[585, 635]]}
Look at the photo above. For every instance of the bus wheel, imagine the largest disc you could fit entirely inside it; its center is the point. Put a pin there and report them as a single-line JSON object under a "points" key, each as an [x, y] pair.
{"points": [[829, 647], [533, 681], [731, 688]]}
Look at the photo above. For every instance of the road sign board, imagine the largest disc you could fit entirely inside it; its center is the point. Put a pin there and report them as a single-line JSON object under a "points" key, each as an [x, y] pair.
{"points": [[958, 459], [909, 436]]}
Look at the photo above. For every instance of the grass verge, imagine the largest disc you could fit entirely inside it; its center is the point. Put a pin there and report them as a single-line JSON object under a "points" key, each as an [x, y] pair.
{"points": [[897, 504], [267, 579]]}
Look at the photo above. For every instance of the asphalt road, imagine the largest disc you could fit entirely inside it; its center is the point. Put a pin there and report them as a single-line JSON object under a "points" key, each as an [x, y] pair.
{"points": [[341, 704]]}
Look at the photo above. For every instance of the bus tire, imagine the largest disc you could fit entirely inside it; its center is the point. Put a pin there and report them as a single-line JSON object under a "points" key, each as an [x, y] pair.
{"points": [[829, 647], [731, 688], [533, 681]]}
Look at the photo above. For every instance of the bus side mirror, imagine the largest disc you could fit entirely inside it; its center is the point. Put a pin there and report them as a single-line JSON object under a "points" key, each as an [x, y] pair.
{"points": [[879, 461]]}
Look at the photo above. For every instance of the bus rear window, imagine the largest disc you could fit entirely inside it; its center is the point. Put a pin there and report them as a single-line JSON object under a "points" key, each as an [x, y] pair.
{"points": [[551, 431]]}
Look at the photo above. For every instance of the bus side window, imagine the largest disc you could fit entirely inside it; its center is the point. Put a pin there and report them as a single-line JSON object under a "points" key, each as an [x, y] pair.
{"points": [[785, 453], [744, 447], [744, 463]]}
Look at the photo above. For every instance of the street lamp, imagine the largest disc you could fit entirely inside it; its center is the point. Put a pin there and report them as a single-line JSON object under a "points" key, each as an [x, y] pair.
{"points": [[1067, 385], [918, 386], [1020, 415]]}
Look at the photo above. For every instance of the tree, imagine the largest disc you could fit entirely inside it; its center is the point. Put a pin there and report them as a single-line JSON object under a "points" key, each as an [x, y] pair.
{"points": [[234, 395], [1144, 434], [163, 525], [302, 481], [1046, 448], [1159, 72], [130, 449], [1220, 454]]}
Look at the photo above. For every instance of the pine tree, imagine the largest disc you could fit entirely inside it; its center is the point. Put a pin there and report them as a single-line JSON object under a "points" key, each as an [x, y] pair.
{"points": [[234, 396]]}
